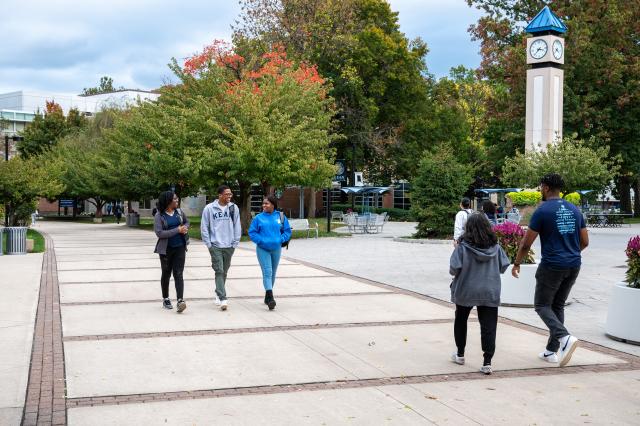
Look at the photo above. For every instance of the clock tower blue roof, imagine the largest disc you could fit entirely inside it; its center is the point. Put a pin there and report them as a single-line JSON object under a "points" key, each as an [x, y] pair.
{"points": [[546, 20]]}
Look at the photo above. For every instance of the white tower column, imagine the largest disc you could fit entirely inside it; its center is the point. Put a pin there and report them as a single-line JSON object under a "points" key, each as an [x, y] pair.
{"points": [[544, 107]]}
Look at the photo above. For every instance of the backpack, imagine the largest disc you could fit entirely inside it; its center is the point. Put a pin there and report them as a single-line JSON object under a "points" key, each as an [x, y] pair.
{"points": [[286, 243]]}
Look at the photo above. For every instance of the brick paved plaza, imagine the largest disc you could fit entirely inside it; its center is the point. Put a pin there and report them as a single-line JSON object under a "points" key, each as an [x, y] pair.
{"points": [[338, 349]]}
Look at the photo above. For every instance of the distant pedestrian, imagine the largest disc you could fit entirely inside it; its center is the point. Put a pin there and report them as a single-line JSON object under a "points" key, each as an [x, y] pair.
{"points": [[476, 265], [269, 231], [117, 211], [563, 236], [221, 230], [171, 226], [461, 219], [109, 207], [489, 210]]}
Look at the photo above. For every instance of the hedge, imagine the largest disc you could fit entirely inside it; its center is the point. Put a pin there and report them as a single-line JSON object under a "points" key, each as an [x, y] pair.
{"points": [[532, 198]]}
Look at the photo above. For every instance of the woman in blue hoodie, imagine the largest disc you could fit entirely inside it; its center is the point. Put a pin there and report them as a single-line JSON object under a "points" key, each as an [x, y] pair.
{"points": [[269, 230], [476, 265]]}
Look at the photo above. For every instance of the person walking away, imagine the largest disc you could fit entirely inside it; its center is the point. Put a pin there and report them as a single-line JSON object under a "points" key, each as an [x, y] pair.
{"points": [[269, 230], [117, 211], [563, 236], [489, 210], [461, 219], [109, 209], [221, 230], [476, 265], [171, 226]]}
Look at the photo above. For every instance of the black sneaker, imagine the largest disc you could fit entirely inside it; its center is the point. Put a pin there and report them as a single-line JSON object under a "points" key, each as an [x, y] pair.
{"points": [[266, 297], [181, 306], [167, 304]]}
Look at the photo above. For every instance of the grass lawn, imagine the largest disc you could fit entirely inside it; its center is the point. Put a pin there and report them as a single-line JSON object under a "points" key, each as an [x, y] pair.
{"points": [[632, 220], [38, 240], [194, 229]]}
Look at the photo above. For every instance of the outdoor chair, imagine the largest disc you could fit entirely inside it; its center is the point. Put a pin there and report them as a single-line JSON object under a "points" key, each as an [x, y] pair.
{"points": [[337, 216], [513, 217]]}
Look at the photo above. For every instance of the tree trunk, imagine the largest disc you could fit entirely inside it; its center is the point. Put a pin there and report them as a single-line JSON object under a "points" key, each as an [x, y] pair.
{"points": [[311, 206], [636, 197], [98, 203], [624, 189], [244, 202], [129, 208]]}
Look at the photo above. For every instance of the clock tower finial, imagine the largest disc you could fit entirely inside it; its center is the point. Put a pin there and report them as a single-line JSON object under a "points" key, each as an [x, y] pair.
{"points": [[545, 78]]}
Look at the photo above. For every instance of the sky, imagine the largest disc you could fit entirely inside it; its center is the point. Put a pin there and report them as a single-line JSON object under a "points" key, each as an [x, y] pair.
{"points": [[63, 46]]}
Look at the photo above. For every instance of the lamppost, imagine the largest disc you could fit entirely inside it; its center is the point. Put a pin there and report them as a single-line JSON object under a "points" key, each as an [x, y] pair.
{"points": [[6, 158]]}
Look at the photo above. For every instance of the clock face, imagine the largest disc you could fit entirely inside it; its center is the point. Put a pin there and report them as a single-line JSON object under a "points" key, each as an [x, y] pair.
{"points": [[538, 49], [557, 49]]}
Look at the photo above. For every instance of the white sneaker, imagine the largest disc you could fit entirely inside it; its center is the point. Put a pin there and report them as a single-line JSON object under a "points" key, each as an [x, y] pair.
{"points": [[217, 301], [223, 305], [568, 344], [548, 356], [457, 359], [486, 369]]}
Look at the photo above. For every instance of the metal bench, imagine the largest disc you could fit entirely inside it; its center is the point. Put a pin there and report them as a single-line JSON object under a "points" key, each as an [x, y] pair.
{"points": [[303, 225]]}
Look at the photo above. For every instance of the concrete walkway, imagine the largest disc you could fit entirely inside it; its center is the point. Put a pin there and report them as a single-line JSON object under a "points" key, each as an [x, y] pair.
{"points": [[338, 349]]}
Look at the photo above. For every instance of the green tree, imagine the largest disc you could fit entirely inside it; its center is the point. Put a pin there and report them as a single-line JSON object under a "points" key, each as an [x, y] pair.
{"points": [[602, 76], [377, 74], [78, 161], [45, 130], [437, 189], [105, 86], [22, 181], [580, 166]]}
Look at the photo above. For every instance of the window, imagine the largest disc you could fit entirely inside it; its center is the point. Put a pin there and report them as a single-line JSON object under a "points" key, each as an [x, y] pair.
{"points": [[401, 198], [145, 204]]}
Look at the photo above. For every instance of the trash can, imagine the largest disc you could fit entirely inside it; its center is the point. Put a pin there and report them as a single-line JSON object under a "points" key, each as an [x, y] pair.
{"points": [[133, 219], [16, 240]]}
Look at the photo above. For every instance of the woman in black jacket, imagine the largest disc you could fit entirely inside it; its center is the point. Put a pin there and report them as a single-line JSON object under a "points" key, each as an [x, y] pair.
{"points": [[171, 226]]}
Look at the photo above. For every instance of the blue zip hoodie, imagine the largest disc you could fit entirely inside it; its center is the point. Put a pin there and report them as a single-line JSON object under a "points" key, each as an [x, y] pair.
{"points": [[265, 230]]}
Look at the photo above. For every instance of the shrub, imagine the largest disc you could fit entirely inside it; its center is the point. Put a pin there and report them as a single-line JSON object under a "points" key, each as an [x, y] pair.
{"points": [[439, 185], [633, 262], [573, 198], [510, 236], [525, 198]]}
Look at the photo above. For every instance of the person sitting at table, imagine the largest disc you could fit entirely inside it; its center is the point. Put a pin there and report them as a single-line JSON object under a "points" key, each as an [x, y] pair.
{"points": [[489, 209]]}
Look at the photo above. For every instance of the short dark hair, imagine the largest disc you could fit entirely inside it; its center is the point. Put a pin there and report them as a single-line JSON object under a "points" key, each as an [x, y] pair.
{"points": [[553, 180], [466, 202], [273, 200], [164, 199], [478, 232], [222, 188], [488, 206]]}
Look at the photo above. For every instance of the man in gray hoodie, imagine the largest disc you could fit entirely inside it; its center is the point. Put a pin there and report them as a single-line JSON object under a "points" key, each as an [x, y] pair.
{"points": [[221, 230]]}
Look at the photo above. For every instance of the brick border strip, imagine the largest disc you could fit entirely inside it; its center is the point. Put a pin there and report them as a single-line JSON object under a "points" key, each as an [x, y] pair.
{"points": [[190, 279], [341, 384], [45, 396], [200, 299], [253, 330]]}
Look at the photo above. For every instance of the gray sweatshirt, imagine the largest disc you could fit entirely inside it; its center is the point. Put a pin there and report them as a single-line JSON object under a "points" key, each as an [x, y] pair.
{"points": [[218, 229], [476, 274]]}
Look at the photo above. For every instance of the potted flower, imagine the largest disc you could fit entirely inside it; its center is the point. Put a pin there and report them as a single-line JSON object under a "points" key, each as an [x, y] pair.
{"points": [[518, 292], [624, 313]]}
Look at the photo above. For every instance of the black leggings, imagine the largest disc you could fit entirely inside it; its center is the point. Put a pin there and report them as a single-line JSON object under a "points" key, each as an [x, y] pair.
{"points": [[488, 317], [173, 262]]}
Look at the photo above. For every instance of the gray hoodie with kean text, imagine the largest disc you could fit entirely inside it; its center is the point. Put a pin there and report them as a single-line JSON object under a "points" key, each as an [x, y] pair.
{"points": [[219, 227], [476, 272]]}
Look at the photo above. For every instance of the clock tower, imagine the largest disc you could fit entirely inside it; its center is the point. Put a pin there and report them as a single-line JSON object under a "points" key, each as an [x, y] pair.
{"points": [[545, 77]]}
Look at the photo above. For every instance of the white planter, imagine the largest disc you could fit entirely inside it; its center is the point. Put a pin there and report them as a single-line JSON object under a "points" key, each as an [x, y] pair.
{"points": [[519, 292], [624, 314]]}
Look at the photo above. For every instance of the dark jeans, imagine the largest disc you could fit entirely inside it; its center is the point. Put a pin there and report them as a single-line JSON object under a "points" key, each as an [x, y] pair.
{"points": [[173, 262], [488, 317], [552, 290]]}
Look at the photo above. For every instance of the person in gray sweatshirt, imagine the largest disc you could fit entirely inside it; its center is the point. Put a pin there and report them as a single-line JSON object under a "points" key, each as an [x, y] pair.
{"points": [[221, 230], [476, 265]]}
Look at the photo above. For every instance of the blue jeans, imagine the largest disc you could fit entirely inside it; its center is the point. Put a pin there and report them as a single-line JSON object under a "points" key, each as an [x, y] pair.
{"points": [[268, 260]]}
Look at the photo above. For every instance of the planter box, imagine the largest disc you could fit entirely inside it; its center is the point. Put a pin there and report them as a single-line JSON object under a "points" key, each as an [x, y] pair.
{"points": [[519, 292], [624, 314], [30, 244], [97, 220]]}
